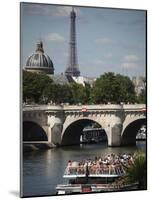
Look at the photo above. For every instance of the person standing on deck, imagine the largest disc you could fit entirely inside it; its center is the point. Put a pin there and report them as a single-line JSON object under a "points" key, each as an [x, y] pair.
{"points": [[87, 173]]}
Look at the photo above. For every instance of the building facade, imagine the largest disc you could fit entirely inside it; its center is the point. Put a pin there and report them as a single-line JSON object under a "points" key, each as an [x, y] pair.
{"points": [[139, 84], [39, 62]]}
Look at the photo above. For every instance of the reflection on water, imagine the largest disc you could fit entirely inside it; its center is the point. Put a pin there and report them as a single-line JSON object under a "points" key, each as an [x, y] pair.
{"points": [[43, 170]]}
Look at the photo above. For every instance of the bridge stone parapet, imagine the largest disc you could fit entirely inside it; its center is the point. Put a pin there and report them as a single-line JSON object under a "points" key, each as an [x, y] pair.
{"points": [[57, 120]]}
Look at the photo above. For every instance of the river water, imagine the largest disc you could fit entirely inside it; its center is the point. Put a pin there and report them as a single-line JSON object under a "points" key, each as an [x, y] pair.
{"points": [[43, 169]]}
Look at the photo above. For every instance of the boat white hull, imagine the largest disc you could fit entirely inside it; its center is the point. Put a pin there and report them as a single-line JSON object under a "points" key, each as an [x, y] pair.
{"points": [[87, 188]]}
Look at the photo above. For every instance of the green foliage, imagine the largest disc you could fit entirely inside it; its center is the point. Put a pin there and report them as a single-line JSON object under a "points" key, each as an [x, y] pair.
{"points": [[142, 97], [79, 93], [34, 86], [113, 88], [40, 88], [60, 93], [137, 172]]}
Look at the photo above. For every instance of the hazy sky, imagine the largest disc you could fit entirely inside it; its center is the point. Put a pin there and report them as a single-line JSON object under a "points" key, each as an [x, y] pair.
{"points": [[107, 39]]}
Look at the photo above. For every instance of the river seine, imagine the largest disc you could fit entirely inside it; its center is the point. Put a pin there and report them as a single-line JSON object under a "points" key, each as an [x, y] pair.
{"points": [[43, 169]]}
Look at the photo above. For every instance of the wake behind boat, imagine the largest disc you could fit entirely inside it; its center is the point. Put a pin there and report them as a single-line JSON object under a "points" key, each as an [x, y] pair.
{"points": [[96, 175]]}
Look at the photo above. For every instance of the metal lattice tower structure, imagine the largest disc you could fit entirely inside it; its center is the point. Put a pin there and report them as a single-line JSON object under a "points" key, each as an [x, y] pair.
{"points": [[72, 68]]}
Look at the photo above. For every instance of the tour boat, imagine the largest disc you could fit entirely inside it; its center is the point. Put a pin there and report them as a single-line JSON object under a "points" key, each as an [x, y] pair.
{"points": [[87, 179]]}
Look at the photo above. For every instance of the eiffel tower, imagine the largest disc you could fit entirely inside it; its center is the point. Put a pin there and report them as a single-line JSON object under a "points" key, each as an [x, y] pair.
{"points": [[72, 68]]}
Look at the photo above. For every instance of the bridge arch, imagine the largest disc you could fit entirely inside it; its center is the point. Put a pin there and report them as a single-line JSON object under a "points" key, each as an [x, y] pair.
{"points": [[72, 132], [129, 133], [32, 131]]}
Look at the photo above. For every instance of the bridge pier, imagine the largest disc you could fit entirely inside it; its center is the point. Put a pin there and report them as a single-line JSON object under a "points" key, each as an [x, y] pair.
{"points": [[114, 135], [114, 130], [54, 130]]}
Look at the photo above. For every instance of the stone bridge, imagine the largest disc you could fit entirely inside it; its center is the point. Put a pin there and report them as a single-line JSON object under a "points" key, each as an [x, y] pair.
{"points": [[63, 125]]}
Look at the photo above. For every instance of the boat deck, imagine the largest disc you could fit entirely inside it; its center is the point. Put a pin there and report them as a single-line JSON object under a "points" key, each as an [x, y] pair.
{"points": [[91, 175], [74, 172]]}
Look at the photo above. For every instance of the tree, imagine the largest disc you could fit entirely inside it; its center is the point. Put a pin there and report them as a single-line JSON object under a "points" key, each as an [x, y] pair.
{"points": [[137, 172], [142, 96], [127, 89], [40, 88], [88, 91], [34, 85], [113, 88], [79, 94], [61, 93]]}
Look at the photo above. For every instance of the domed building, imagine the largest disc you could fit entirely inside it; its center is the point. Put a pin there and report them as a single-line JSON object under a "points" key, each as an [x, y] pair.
{"points": [[39, 61]]}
